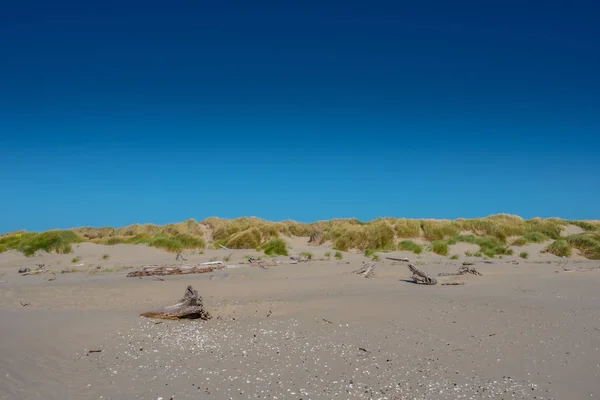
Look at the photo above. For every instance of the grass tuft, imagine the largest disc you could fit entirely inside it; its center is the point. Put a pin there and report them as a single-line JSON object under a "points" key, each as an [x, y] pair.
{"points": [[75, 259], [409, 245], [588, 244], [307, 255], [559, 248], [275, 247], [338, 255], [440, 247], [524, 255]]}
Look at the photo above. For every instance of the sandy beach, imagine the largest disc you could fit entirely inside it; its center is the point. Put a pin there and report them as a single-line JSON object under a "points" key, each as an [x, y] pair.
{"points": [[310, 330]]}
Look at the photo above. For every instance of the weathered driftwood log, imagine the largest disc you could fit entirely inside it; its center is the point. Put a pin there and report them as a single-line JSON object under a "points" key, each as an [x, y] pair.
{"points": [[190, 306], [367, 270], [176, 270], [179, 257], [420, 276], [403, 259], [468, 263], [461, 271]]}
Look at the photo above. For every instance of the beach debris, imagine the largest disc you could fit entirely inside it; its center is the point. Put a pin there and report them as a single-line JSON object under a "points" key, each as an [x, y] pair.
{"points": [[461, 271], [190, 306], [402, 259], [468, 263], [367, 270], [53, 277], [326, 320], [36, 272], [223, 247], [453, 283], [23, 270], [421, 277], [179, 257], [154, 270], [24, 304], [94, 351]]}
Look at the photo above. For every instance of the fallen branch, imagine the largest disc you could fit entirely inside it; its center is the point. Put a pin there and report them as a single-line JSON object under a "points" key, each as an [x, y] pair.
{"points": [[420, 276], [24, 304], [190, 306], [453, 283], [94, 351], [403, 259], [36, 272], [176, 270], [223, 247], [461, 271]]}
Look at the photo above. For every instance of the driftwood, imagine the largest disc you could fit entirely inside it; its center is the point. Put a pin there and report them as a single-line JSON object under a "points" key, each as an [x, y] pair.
{"points": [[367, 270], [153, 270], [23, 270], [420, 276], [179, 257], [461, 271], [453, 283], [468, 263], [36, 272], [403, 259], [190, 306]]}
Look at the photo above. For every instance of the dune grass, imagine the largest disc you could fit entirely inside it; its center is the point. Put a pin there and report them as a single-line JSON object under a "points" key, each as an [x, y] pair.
{"points": [[588, 244], [489, 246], [307, 255], [559, 248], [338, 255], [524, 255], [58, 241], [532, 237], [275, 247], [407, 228], [409, 245], [440, 247]]}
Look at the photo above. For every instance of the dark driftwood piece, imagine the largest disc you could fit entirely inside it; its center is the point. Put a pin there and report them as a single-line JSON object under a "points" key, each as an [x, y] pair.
{"points": [[367, 270], [420, 276], [174, 270], [190, 306], [403, 259]]}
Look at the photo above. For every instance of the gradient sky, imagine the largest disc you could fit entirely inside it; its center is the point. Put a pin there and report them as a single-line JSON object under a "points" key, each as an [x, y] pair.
{"points": [[118, 112]]}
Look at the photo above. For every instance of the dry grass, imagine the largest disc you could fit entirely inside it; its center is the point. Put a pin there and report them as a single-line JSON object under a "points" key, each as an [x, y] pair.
{"points": [[559, 248]]}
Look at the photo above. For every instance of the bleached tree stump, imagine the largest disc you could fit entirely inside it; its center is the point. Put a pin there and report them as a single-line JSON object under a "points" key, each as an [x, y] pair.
{"points": [[190, 306]]}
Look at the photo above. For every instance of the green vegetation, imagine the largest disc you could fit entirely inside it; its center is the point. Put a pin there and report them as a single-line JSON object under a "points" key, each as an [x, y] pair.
{"points": [[440, 247], [454, 257], [307, 255], [338, 255], [345, 234], [29, 243], [407, 228], [275, 247], [488, 245], [524, 255], [409, 245], [75, 259], [105, 257], [532, 237], [559, 248], [328, 254], [588, 244]]}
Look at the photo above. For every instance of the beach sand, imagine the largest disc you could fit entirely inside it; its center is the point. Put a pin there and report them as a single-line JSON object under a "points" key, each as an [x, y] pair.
{"points": [[299, 331]]}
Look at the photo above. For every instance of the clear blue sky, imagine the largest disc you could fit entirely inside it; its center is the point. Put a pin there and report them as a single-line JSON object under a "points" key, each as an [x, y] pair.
{"points": [[118, 112]]}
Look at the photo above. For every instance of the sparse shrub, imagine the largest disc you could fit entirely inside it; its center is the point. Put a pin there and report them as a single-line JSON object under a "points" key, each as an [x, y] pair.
{"points": [[227, 258], [454, 257], [375, 257], [327, 254], [524, 255], [370, 252], [275, 247], [409, 245], [75, 259], [440, 247], [59, 241], [338, 255], [307, 255], [478, 254], [559, 248], [469, 253], [105, 257]]}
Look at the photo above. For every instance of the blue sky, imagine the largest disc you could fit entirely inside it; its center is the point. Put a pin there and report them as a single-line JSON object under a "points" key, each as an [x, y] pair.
{"points": [[113, 113]]}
